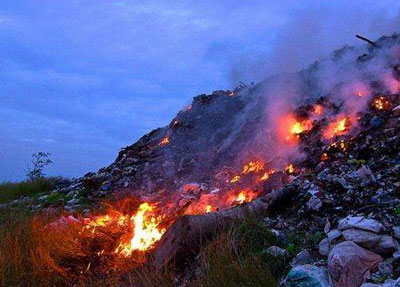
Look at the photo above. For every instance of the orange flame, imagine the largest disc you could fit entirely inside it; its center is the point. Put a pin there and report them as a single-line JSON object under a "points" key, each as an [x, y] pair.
{"points": [[267, 175], [164, 141], [252, 166], [290, 128], [208, 208], [290, 169], [318, 110], [382, 103], [145, 233], [338, 127], [245, 196], [324, 156]]}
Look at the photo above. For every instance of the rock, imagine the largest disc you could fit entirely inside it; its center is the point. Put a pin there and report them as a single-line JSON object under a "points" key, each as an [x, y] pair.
{"points": [[366, 175], [304, 257], [387, 283], [366, 239], [386, 246], [307, 276], [314, 203], [376, 122], [396, 232], [349, 265], [324, 246], [276, 251], [105, 186], [334, 234], [385, 270], [361, 222]]}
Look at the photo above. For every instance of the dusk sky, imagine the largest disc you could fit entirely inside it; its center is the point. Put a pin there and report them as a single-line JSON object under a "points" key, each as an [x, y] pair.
{"points": [[82, 79]]}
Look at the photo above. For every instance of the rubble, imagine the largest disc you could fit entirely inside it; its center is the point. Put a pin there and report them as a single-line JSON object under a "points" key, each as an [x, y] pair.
{"points": [[345, 203], [349, 265], [307, 276]]}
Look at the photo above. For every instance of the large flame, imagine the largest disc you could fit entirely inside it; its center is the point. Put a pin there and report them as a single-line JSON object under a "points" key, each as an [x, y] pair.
{"points": [[146, 231]]}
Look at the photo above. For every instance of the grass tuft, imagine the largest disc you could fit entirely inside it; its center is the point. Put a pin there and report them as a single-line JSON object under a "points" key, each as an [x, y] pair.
{"points": [[13, 190]]}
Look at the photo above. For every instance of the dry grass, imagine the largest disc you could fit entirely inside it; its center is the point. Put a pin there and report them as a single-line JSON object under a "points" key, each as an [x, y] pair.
{"points": [[224, 263], [34, 252]]}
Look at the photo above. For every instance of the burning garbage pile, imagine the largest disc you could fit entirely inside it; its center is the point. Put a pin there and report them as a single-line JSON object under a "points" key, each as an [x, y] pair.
{"points": [[234, 153]]}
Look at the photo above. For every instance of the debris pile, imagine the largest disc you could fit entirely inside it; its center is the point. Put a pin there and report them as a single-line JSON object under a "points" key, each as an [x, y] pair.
{"points": [[321, 145]]}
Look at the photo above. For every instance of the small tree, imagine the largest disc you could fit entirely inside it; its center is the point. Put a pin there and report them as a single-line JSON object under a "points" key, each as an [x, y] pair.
{"points": [[39, 161]]}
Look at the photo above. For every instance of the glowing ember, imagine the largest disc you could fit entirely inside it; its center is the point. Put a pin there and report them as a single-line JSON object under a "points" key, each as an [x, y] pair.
{"points": [[241, 198], [235, 179], [145, 233], [253, 167], [382, 103], [164, 141], [318, 110], [338, 127], [266, 175], [324, 156], [244, 196], [290, 169], [290, 128]]}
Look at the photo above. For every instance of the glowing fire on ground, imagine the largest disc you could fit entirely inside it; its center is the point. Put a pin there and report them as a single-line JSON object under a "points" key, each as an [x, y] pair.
{"points": [[146, 231], [244, 196], [164, 141], [289, 128], [290, 169], [339, 126], [250, 167], [382, 103], [318, 110]]}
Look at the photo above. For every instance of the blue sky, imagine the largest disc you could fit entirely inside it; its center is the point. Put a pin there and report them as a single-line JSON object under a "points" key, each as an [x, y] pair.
{"points": [[81, 79]]}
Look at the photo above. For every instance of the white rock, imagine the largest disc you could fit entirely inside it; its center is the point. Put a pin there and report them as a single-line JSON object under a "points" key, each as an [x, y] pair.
{"points": [[361, 222], [314, 203]]}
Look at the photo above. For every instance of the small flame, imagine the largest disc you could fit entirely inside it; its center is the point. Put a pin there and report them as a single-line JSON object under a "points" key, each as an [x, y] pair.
{"points": [[382, 103], [267, 175], [290, 169], [253, 166], [244, 196], [324, 156], [318, 110], [290, 128], [338, 127], [145, 233], [164, 141], [234, 179], [241, 198], [208, 208]]}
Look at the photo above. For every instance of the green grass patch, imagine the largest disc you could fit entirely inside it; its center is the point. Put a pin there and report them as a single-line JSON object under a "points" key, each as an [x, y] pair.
{"points": [[13, 190]]}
